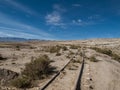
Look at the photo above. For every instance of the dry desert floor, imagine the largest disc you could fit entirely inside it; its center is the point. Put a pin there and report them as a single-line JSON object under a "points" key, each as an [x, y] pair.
{"points": [[101, 68]]}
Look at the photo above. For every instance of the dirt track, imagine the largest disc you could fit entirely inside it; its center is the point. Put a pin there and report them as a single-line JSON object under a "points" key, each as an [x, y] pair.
{"points": [[101, 75]]}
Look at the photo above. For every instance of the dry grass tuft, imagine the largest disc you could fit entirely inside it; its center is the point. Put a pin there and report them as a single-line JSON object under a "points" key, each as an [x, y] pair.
{"points": [[107, 52], [35, 70]]}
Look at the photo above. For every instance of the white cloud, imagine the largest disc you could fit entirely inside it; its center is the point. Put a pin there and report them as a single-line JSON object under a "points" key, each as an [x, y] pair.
{"points": [[80, 22], [9, 33], [53, 18], [8, 26]]}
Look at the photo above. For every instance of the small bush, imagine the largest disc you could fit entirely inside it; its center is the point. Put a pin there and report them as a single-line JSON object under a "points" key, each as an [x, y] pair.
{"points": [[74, 47], [55, 49], [32, 47], [52, 49], [64, 48], [18, 47], [70, 54], [93, 59], [58, 54], [21, 82], [116, 57], [107, 52], [2, 58], [104, 51], [37, 69]]}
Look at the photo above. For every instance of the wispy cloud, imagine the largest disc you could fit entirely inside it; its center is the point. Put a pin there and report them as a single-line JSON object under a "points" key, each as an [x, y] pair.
{"points": [[20, 7], [59, 8], [76, 5], [55, 18], [80, 22], [94, 17], [90, 20], [10, 27], [9, 32]]}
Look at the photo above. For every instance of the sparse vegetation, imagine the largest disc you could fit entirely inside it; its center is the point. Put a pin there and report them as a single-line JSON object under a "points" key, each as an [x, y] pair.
{"points": [[18, 48], [32, 47], [55, 49], [107, 52], [21, 82], [70, 54], [104, 51], [72, 66], [2, 58], [93, 59], [38, 68], [74, 47], [64, 48], [76, 61], [116, 57], [58, 54], [52, 49], [35, 70]]}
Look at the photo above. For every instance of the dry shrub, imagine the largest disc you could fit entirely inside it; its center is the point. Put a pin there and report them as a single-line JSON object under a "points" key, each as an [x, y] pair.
{"points": [[93, 59], [55, 49], [22, 82], [104, 51], [107, 52], [74, 47], [52, 49], [38, 68], [2, 58], [64, 48], [35, 70], [58, 54]]}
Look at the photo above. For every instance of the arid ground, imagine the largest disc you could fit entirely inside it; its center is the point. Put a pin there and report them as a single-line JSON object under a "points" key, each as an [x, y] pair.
{"points": [[101, 69]]}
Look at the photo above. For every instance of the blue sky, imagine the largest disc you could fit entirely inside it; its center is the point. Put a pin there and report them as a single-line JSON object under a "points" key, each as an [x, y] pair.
{"points": [[60, 19]]}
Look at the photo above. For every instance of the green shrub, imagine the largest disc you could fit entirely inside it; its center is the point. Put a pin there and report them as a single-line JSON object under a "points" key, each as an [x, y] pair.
{"points": [[21, 82], [37, 69], [93, 59]]}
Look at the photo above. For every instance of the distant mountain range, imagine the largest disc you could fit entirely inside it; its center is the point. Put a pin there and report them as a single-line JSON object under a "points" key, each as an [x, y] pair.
{"points": [[14, 39]]}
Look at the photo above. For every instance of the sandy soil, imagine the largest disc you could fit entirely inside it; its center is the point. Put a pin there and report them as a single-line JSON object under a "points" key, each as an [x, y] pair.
{"points": [[67, 79], [101, 75]]}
